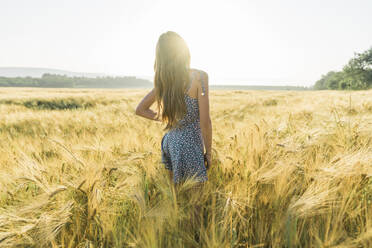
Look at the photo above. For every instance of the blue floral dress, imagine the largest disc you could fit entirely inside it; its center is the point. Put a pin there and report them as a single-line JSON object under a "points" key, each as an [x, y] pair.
{"points": [[182, 149]]}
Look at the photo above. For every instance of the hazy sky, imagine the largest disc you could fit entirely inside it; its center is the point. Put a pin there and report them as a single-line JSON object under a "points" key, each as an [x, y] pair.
{"points": [[252, 41]]}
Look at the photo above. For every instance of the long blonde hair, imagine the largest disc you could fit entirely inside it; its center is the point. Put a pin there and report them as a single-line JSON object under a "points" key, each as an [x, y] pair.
{"points": [[172, 66]]}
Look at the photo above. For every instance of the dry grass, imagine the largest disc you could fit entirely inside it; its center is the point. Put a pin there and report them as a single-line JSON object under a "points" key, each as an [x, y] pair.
{"points": [[290, 169]]}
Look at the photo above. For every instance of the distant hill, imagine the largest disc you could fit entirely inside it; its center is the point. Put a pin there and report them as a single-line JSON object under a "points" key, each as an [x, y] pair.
{"points": [[62, 81], [38, 72], [18, 77]]}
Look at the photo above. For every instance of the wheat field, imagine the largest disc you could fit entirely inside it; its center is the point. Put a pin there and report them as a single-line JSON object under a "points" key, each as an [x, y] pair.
{"points": [[290, 169]]}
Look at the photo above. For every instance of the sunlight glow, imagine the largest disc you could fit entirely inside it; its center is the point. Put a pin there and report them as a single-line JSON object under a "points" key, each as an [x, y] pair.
{"points": [[245, 42]]}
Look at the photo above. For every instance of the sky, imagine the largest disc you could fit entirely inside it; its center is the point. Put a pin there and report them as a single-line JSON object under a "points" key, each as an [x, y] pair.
{"points": [[284, 42]]}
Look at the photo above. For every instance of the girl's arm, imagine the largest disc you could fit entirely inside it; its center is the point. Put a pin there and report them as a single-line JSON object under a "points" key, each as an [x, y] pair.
{"points": [[205, 119], [143, 108]]}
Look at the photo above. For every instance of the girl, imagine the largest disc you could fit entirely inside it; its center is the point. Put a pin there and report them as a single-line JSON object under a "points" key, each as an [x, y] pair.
{"points": [[182, 97]]}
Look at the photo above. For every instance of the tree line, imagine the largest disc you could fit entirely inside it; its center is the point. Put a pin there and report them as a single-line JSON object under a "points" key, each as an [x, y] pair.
{"points": [[355, 75], [62, 81]]}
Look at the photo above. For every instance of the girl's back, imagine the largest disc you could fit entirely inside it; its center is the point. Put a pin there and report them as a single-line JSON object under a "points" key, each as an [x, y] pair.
{"points": [[182, 146], [191, 100]]}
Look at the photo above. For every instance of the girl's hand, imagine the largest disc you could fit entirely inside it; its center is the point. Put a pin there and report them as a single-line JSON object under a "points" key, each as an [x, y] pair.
{"points": [[207, 160]]}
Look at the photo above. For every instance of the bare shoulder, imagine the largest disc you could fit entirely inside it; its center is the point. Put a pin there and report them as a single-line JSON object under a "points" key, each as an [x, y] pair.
{"points": [[202, 76]]}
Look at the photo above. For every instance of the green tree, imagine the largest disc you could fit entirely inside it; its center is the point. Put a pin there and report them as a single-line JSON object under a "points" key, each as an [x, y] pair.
{"points": [[330, 81], [356, 74]]}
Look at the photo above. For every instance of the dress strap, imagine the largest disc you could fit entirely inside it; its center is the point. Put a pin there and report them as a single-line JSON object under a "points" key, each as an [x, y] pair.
{"points": [[202, 83]]}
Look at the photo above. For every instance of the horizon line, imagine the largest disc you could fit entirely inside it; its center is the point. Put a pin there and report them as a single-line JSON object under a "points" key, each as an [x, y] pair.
{"points": [[246, 81]]}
